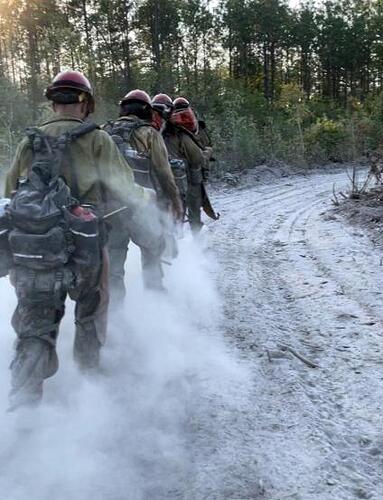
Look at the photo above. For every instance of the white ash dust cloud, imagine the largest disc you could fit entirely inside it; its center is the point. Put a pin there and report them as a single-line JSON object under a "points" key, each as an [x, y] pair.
{"points": [[129, 432]]}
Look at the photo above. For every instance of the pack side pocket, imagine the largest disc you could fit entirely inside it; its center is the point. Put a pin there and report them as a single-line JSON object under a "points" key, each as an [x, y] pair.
{"points": [[39, 251]]}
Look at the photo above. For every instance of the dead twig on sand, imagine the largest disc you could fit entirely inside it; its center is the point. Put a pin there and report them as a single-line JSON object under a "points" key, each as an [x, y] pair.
{"points": [[334, 198], [304, 360], [356, 188]]}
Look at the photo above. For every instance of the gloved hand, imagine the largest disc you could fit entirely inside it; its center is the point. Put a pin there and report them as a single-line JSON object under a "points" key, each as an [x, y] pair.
{"points": [[177, 209], [205, 174]]}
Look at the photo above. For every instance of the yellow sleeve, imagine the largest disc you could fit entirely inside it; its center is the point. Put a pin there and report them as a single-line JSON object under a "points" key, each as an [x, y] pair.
{"points": [[160, 163], [192, 152], [19, 167]]}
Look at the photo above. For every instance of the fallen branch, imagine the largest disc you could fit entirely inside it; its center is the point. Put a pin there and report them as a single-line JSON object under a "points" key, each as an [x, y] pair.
{"points": [[285, 347], [275, 355]]}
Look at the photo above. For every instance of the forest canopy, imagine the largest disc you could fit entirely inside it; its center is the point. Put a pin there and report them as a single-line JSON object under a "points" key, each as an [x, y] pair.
{"points": [[273, 82]]}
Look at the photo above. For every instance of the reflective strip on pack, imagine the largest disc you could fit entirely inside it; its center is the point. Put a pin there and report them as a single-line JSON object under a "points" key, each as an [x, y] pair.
{"points": [[25, 256], [179, 176], [78, 233], [140, 171], [3, 232]]}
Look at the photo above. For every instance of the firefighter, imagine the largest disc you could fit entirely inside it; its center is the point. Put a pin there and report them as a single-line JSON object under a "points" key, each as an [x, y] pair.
{"points": [[181, 143], [98, 176], [204, 140], [140, 141], [162, 110]]}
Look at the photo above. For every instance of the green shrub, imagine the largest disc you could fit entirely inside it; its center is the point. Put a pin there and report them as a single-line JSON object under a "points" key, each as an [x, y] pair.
{"points": [[325, 140]]}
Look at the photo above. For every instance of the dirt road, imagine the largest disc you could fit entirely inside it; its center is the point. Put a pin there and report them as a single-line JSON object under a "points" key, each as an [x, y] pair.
{"points": [[292, 274], [195, 399]]}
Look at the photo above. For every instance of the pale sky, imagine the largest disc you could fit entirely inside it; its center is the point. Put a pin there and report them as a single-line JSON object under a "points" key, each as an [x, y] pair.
{"points": [[295, 3]]}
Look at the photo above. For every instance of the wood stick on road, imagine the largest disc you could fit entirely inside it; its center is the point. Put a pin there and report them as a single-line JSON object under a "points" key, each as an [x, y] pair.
{"points": [[304, 360]]}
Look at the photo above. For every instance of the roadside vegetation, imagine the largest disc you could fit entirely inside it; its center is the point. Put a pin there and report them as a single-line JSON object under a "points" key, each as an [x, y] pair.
{"points": [[301, 86]]}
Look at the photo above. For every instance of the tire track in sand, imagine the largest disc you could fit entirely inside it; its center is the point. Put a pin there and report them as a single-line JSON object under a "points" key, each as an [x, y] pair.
{"points": [[317, 429]]}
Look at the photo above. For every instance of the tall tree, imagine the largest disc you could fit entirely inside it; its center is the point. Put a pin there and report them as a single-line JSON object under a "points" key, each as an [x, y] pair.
{"points": [[304, 34], [157, 25]]}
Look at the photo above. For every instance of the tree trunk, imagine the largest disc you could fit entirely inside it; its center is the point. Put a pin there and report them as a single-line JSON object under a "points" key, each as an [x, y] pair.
{"points": [[88, 38], [2, 60], [272, 71], [33, 72], [128, 77], [231, 72], [266, 79], [156, 45], [306, 74]]}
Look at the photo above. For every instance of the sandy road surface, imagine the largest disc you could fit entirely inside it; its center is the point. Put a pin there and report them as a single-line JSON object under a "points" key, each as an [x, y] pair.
{"points": [[291, 274], [187, 405]]}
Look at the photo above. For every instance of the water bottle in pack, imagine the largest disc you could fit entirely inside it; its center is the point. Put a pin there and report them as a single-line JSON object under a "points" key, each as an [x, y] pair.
{"points": [[121, 133]]}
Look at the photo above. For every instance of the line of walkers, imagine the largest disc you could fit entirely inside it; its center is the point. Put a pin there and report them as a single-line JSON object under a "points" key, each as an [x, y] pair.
{"points": [[76, 194]]}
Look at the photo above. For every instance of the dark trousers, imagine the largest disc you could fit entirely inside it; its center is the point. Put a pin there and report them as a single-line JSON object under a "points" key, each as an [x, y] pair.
{"points": [[36, 320], [152, 274], [194, 203]]}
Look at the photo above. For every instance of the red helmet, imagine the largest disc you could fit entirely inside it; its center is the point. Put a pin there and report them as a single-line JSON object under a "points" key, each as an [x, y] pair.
{"points": [[181, 103], [136, 95], [72, 80], [163, 105], [185, 118], [162, 99]]}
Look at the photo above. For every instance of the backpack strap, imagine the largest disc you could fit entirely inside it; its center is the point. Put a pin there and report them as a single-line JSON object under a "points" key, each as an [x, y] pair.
{"points": [[37, 137], [107, 126], [38, 141], [83, 129], [133, 125], [182, 130], [57, 149], [72, 136]]}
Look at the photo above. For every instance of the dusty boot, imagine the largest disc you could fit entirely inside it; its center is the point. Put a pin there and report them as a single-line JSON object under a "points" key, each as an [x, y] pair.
{"points": [[196, 228], [34, 361]]}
